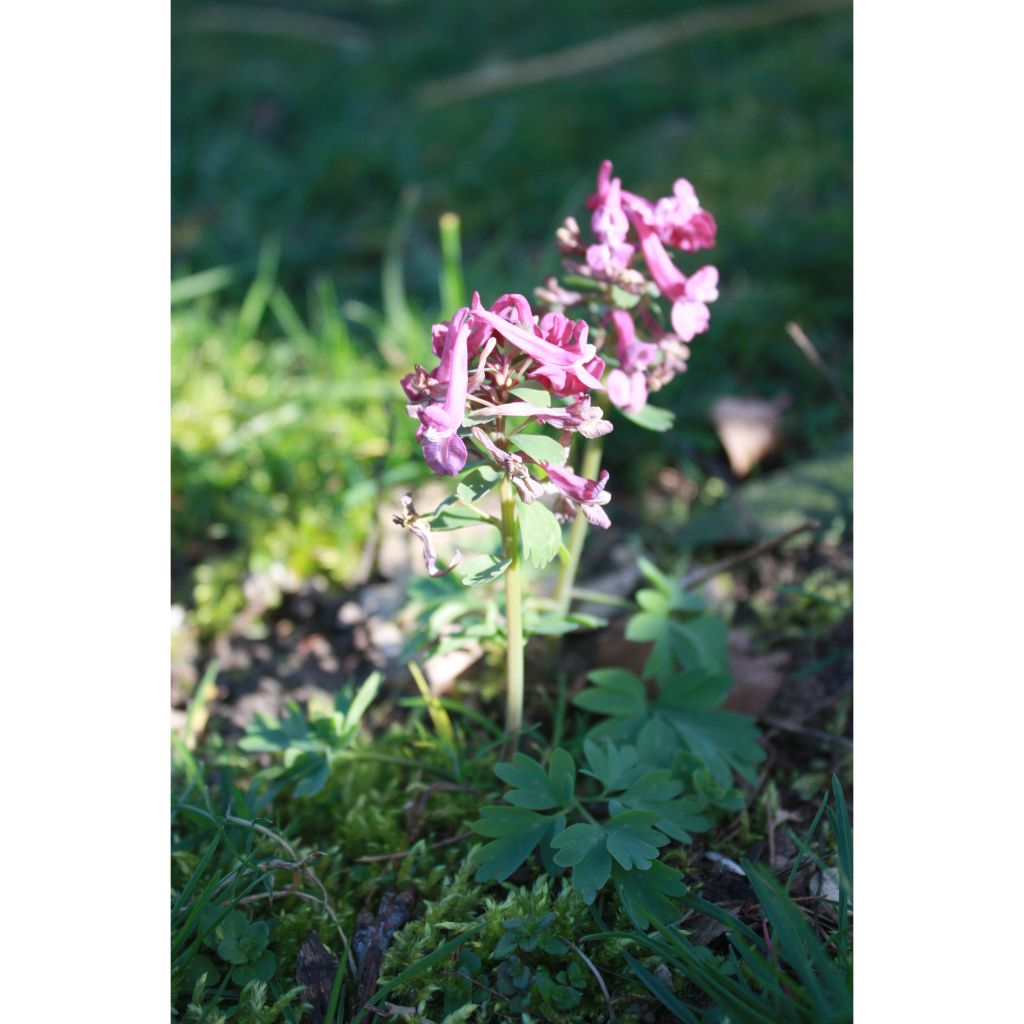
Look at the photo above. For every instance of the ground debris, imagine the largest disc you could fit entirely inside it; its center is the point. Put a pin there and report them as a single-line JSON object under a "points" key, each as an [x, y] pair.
{"points": [[757, 676], [316, 968], [373, 936]]}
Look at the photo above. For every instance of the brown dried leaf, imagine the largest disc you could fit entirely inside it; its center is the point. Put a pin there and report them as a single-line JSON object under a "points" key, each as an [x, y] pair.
{"points": [[757, 677], [749, 429]]}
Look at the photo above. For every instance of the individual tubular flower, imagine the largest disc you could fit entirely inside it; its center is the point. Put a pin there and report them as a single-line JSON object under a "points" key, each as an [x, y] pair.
{"points": [[409, 519], [690, 314], [681, 222], [581, 416], [443, 449], [586, 495], [627, 385]]}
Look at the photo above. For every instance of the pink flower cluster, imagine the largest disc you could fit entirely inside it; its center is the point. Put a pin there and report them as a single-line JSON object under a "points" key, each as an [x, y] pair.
{"points": [[485, 353], [624, 225]]}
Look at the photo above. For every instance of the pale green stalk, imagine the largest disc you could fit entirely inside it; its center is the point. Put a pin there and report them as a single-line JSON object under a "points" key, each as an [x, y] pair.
{"points": [[514, 680]]}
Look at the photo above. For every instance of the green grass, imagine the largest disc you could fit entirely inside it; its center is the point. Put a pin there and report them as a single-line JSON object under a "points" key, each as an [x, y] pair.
{"points": [[277, 137]]}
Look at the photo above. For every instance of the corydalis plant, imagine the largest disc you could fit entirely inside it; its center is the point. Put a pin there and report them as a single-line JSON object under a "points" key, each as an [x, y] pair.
{"points": [[506, 382]]}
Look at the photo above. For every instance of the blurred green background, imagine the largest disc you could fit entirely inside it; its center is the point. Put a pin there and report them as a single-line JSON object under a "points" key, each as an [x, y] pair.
{"points": [[312, 156]]}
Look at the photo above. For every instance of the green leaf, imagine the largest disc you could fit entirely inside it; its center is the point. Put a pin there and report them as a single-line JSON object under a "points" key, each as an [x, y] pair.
{"points": [[624, 299], [311, 783], [364, 697], [697, 689], [533, 393], [477, 482], [654, 575], [648, 895], [584, 848], [540, 447], [484, 569], [682, 721], [576, 842], [678, 642], [658, 791], [533, 787], [452, 515], [724, 740], [547, 625], [632, 839], [798, 945], [616, 692], [653, 601], [240, 942], [541, 533], [650, 417], [547, 852], [518, 832], [259, 969], [614, 767], [562, 776], [703, 642], [497, 820]]}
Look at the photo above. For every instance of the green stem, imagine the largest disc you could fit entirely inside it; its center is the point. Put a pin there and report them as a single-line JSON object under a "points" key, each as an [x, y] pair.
{"points": [[577, 533], [577, 805], [513, 615]]}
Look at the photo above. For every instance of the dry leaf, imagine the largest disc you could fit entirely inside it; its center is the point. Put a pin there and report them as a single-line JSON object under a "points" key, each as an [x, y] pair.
{"points": [[757, 676], [749, 429]]}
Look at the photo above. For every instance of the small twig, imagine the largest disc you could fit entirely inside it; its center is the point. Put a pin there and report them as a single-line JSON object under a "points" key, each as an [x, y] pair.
{"points": [[395, 1010], [802, 730], [600, 980], [699, 576], [399, 854], [264, 866], [279, 23], [611, 50], [259, 897], [806, 346]]}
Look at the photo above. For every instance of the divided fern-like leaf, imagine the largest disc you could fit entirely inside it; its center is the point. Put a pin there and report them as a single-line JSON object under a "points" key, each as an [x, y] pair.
{"points": [[682, 717]]}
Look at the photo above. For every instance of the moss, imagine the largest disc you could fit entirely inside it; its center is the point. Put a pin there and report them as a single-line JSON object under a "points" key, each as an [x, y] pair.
{"points": [[522, 959]]}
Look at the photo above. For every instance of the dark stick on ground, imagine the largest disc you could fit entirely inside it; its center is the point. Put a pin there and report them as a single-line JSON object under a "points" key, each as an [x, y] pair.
{"points": [[373, 936], [316, 968], [699, 576]]}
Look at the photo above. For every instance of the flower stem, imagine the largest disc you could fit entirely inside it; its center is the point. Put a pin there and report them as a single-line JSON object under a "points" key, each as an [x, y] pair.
{"points": [[577, 534], [513, 615]]}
